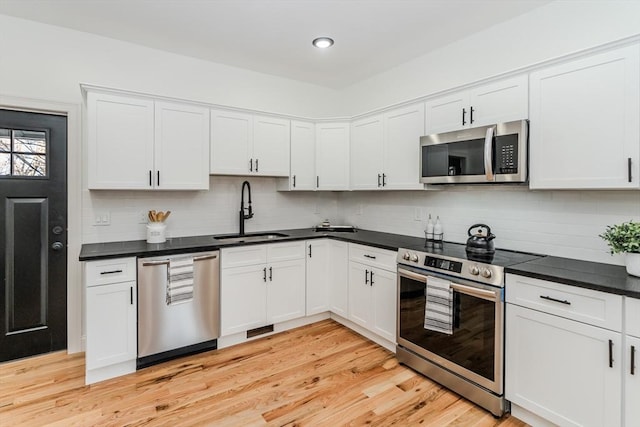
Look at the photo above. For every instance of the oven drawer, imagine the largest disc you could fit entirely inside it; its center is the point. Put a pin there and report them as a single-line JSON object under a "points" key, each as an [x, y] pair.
{"points": [[584, 305], [374, 257]]}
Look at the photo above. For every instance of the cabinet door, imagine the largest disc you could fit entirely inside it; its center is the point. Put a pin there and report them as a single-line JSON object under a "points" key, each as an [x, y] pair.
{"points": [[559, 369], [303, 156], [366, 153], [243, 298], [111, 324], [632, 383], [360, 294], [332, 156], [231, 139], [447, 113], [402, 131], [338, 276], [383, 305], [271, 137], [181, 147], [318, 275], [585, 122], [502, 101], [285, 291], [120, 142]]}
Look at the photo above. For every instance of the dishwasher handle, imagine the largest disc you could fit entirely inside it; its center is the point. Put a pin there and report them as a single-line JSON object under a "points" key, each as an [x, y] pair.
{"points": [[152, 263], [205, 257]]}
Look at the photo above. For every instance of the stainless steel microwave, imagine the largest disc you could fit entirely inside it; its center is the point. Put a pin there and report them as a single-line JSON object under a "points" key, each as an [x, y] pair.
{"points": [[482, 155]]}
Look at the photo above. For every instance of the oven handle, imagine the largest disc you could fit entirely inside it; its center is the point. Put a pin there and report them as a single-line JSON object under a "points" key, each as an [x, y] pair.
{"points": [[412, 275], [488, 167], [476, 292]]}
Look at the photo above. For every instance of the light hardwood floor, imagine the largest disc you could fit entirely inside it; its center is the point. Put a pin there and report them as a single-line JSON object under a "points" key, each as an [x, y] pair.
{"points": [[318, 375]]}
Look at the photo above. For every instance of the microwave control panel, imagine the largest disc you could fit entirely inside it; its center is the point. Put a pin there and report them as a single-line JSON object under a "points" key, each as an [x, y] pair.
{"points": [[506, 154]]}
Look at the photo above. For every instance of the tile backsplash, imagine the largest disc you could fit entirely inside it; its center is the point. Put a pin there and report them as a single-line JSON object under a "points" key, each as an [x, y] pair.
{"points": [[203, 212], [559, 223]]}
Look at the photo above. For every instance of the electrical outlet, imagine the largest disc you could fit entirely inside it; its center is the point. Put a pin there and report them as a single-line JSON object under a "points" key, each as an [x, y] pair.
{"points": [[417, 214], [102, 218], [143, 217]]}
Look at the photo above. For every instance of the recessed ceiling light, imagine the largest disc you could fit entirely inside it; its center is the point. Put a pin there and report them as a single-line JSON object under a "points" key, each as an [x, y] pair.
{"points": [[323, 42]]}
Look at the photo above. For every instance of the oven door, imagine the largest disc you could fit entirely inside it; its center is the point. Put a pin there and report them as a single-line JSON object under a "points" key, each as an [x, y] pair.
{"points": [[475, 349]]}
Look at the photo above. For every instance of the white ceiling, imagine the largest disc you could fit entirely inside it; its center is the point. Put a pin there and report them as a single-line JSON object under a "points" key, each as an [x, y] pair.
{"points": [[274, 36]]}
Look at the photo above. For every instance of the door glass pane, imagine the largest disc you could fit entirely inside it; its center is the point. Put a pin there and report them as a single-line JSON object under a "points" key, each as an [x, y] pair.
{"points": [[29, 165], [26, 141], [5, 140], [5, 164]]}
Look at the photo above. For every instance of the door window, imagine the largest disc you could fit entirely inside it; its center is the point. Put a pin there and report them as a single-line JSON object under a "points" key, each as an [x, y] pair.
{"points": [[23, 153]]}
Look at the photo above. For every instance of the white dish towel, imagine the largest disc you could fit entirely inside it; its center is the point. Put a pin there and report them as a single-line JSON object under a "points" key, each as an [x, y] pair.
{"points": [[438, 311], [180, 280]]}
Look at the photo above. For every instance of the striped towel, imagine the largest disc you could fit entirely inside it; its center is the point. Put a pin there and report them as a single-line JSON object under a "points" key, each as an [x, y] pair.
{"points": [[180, 280], [438, 312]]}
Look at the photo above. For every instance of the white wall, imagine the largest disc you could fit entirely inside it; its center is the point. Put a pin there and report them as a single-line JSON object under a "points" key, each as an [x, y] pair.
{"points": [[196, 213], [559, 223], [553, 30], [46, 62]]}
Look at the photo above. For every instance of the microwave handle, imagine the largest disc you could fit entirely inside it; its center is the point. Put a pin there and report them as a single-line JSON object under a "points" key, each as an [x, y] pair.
{"points": [[488, 167]]}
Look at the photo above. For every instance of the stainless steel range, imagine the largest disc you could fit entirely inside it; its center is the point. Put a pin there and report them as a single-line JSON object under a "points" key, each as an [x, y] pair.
{"points": [[451, 319]]}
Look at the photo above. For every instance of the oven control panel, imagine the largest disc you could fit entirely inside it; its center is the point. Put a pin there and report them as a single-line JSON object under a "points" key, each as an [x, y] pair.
{"points": [[442, 264]]}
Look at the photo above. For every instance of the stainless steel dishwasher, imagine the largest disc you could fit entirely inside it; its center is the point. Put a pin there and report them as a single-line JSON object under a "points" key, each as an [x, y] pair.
{"points": [[178, 305]]}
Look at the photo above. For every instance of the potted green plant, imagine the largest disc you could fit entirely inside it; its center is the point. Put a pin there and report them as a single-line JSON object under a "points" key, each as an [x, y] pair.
{"points": [[625, 238]]}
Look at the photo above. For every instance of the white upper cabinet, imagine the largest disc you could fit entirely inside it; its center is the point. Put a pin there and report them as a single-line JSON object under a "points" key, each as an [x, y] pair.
{"points": [[231, 137], [403, 128], [137, 143], [385, 150], [585, 122], [182, 146], [303, 156], [501, 101], [246, 144], [366, 153], [271, 138], [332, 156]]}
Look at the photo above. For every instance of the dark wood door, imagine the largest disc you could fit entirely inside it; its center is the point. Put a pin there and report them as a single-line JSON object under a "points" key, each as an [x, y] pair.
{"points": [[33, 234]]}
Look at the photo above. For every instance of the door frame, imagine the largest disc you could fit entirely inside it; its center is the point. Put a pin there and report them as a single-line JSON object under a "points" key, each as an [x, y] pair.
{"points": [[75, 183]]}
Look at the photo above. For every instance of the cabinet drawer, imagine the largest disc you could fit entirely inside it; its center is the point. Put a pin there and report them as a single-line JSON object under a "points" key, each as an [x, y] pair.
{"points": [[110, 271], [376, 257], [241, 256], [632, 316], [285, 251], [584, 305]]}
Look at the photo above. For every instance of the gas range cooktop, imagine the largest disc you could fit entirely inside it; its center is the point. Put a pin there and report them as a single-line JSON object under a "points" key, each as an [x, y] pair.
{"points": [[453, 259]]}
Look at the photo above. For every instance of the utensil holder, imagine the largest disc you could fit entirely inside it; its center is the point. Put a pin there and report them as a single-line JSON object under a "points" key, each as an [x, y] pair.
{"points": [[156, 232]]}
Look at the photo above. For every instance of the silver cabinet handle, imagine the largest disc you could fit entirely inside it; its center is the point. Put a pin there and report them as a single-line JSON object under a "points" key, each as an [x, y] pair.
{"points": [[204, 257]]}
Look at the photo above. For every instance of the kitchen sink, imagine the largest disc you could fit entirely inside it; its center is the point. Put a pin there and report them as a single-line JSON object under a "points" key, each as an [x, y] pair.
{"points": [[252, 237]]}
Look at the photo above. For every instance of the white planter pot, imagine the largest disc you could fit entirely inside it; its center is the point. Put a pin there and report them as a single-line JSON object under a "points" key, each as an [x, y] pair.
{"points": [[632, 261]]}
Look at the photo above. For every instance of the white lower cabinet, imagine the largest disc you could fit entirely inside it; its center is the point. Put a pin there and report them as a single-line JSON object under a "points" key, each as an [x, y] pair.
{"points": [[111, 307], [372, 293], [262, 293], [632, 382], [559, 367], [327, 274], [631, 370]]}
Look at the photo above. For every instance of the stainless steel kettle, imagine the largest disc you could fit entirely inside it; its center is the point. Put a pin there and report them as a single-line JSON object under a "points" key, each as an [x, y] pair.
{"points": [[480, 243]]}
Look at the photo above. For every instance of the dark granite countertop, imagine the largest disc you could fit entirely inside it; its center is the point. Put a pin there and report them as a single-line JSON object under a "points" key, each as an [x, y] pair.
{"points": [[585, 274], [591, 275], [177, 245]]}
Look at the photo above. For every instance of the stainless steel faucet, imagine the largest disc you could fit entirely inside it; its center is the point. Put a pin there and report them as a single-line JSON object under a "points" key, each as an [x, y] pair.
{"points": [[249, 213]]}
